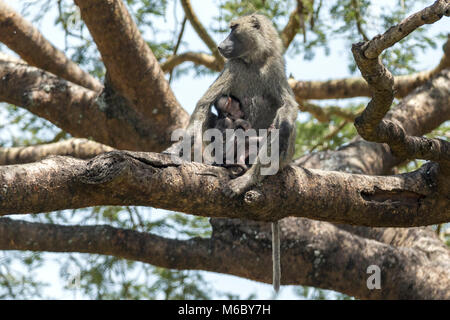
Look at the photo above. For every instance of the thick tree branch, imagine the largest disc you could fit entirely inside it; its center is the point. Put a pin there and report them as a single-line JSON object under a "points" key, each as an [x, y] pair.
{"points": [[133, 72], [77, 148], [329, 257], [126, 178], [202, 33], [370, 123], [79, 111], [20, 36], [328, 262]]}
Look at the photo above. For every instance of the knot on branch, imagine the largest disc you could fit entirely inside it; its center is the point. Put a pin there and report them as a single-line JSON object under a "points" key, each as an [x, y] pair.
{"points": [[104, 168], [254, 197]]}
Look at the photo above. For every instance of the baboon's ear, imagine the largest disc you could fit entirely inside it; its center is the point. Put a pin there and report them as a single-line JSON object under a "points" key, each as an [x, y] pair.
{"points": [[255, 22]]}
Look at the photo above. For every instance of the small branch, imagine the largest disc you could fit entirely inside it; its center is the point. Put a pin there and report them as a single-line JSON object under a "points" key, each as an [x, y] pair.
{"points": [[428, 15], [202, 33], [195, 57], [133, 71], [370, 123], [20, 36], [330, 135], [323, 114], [358, 18], [78, 148], [295, 23], [177, 45]]}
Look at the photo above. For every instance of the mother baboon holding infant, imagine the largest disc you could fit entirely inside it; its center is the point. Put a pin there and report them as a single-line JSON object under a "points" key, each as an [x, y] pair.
{"points": [[254, 73]]}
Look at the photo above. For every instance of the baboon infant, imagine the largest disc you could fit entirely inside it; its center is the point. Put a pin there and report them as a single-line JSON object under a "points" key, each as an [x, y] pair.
{"points": [[230, 116]]}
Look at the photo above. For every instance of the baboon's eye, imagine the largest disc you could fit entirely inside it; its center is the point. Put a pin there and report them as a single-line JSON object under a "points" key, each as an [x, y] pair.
{"points": [[234, 26]]}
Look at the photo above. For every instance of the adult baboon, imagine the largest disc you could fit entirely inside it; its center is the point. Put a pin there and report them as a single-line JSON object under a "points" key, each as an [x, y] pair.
{"points": [[255, 74]]}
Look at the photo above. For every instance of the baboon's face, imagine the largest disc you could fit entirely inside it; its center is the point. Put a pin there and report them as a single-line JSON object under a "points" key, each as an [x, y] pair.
{"points": [[242, 38]]}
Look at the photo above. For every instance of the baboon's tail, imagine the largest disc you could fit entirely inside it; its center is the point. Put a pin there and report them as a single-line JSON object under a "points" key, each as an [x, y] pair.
{"points": [[276, 256]]}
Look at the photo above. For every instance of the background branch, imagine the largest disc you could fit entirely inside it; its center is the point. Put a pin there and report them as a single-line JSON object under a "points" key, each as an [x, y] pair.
{"points": [[126, 178], [333, 247], [202, 33], [370, 123], [195, 57], [296, 22], [134, 73], [102, 118], [177, 44], [358, 87], [20, 36], [78, 148]]}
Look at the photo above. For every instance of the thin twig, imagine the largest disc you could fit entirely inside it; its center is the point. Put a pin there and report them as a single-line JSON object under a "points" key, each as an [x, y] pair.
{"points": [[177, 45]]}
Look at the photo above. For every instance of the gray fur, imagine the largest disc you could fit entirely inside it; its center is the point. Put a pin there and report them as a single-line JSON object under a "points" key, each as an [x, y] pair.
{"points": [[255, 74]]}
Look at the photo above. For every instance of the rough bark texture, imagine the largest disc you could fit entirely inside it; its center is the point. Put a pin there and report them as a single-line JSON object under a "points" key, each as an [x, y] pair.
{"points": [[134, 72], [79, 111], [313, 253], [371, 124], [125, 178]]}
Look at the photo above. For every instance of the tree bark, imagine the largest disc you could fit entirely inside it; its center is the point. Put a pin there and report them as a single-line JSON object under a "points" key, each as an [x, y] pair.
{"points": [[24, 39], [134, 73]]}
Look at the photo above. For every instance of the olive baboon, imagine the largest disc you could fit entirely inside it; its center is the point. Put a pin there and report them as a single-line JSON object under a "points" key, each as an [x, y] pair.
{"points": [[255, 74]]}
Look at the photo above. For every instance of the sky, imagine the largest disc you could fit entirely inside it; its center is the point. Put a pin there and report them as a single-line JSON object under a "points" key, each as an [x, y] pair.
{"points": [[188, 91]]}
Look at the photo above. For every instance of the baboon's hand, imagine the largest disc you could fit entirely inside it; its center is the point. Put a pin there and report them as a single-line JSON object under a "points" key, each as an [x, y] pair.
{"points": [[237, 186]]}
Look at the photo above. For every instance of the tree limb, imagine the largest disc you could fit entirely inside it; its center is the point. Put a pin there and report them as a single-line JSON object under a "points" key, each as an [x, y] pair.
{"points": [[370, 123], [396, 33], [296, 22], [322, 262], [131, 178], [23, 38], [202, 33], [195, 57], [134, 73], [420, 112], [78, 148], [358, 87], [323, 114], [77, 110]]}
